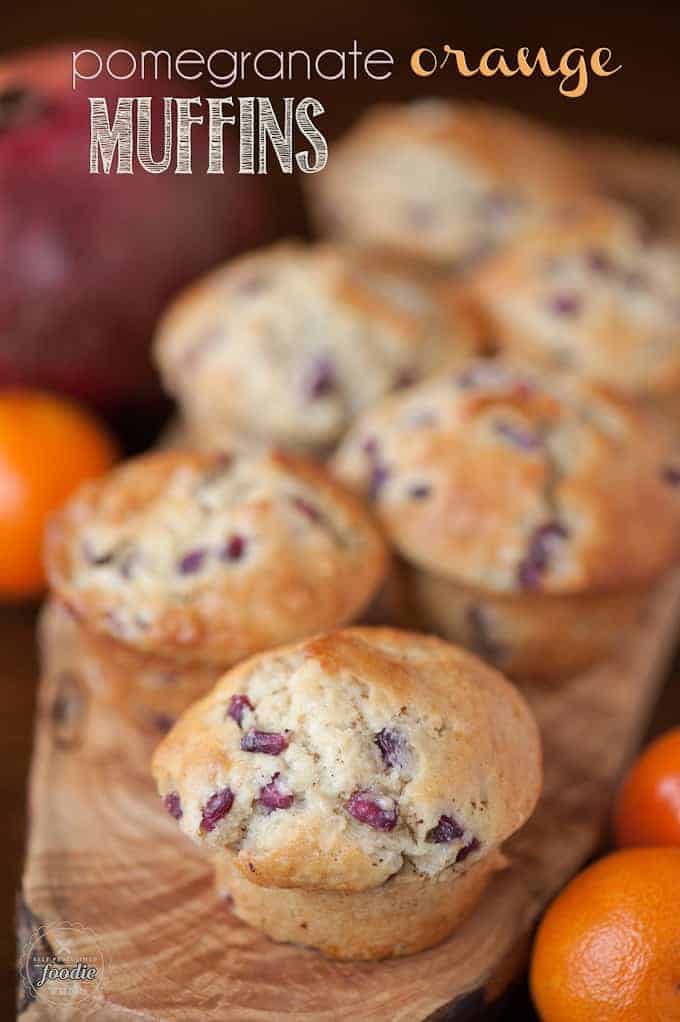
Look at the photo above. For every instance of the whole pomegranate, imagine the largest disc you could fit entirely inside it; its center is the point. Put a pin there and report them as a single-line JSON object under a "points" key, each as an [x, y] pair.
{"points": [[87, 261]]}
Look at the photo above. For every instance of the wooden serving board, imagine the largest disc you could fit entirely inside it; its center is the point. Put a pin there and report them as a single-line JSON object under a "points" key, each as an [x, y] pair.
{"points": [[103, 855]]}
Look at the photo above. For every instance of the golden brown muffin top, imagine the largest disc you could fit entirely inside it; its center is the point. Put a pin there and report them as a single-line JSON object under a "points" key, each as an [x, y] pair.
{"points": [[285, 345], [212, 558], [591, 296], [513, 480], [331, 764], [446, 180]]}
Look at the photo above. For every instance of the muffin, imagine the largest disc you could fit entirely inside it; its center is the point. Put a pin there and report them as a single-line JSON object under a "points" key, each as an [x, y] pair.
{"points": [[354, 790], [543, 506], [287, 344], [533, 637], [145, 692], [178, 564], [444, 181], [591, 297]]}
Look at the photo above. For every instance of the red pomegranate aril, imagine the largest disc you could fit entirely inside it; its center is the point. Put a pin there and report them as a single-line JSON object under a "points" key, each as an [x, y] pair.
{"points": [[271, 743], [405, 378], [234, 548], [420, 491], [379, 476], [276, 795], [544, 543], [599, 260], [467, 849], [163, 722], [519, 436], [238, 704], [216, 808], [379, 472], [447, 829], [375, 810], [566, 304], [321, 380], [192, 562], [172, 803], [393, 746], [671, 475]]}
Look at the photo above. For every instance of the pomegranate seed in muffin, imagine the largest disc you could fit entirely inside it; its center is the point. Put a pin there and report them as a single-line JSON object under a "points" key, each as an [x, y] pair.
{"points": [[276, 795], [172, 803], [270, 743], [446, 830], [377, 811], [393, 746], [238, 704], [216, 808]]}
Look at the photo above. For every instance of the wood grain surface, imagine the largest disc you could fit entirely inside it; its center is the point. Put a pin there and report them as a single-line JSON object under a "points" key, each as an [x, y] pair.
{"points": [[102, 854]]}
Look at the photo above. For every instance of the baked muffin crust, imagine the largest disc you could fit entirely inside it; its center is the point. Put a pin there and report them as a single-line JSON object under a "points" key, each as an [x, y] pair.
{"points": [[208, 558], [406, 914], [443, 180], [512, 480], [528, 636], [335, 763], [287, 344], [592, 297]]}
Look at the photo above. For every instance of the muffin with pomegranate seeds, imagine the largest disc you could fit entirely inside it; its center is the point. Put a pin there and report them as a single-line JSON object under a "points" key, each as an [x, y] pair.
{"points": [[287, 344], [592, 297], [443, 181], [179, 564], [145, 691], [533, 512], [354, 789]]}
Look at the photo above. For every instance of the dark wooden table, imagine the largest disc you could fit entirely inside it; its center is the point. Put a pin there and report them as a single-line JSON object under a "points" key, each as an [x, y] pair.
{"points": [[16, 723]]}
